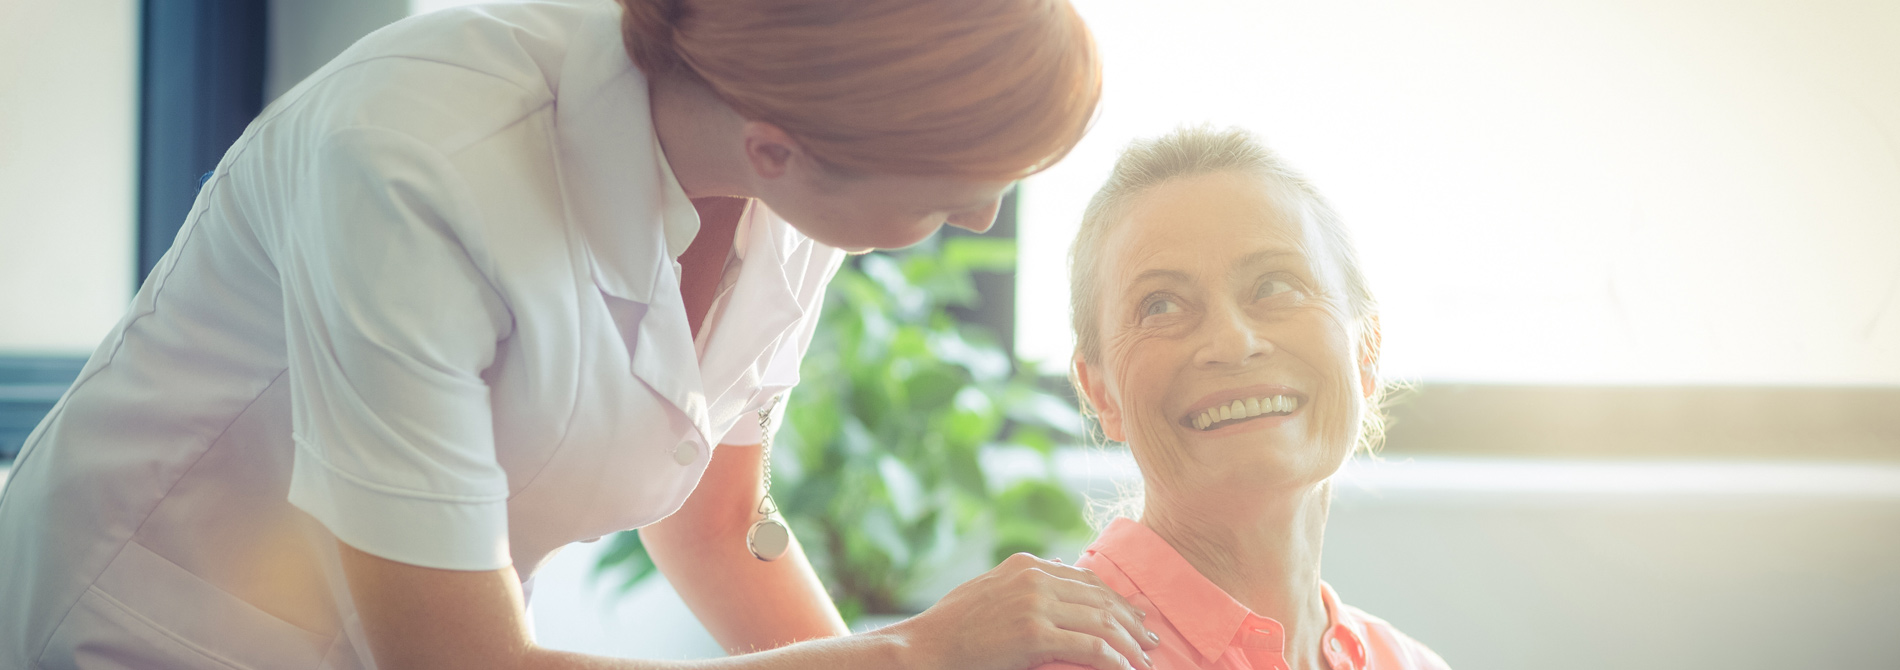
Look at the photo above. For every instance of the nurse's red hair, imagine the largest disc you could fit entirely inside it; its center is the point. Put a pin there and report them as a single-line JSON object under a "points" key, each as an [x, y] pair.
{"points": [[990, 89]]}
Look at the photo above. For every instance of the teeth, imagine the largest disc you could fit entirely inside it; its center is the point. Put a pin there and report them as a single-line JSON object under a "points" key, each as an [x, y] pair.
{"points": [[1245, 408]]}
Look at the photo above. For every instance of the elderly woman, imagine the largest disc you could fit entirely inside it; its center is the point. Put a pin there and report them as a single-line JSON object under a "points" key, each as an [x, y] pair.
{"points": [[1226, 334]]}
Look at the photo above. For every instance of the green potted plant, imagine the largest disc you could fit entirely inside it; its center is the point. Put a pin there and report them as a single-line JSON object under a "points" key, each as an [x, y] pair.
{"points": [[879, 468]]}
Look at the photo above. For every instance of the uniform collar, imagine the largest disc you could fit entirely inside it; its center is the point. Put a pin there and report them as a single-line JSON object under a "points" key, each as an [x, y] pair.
{"points": [[618, 186], [1207, 618]]}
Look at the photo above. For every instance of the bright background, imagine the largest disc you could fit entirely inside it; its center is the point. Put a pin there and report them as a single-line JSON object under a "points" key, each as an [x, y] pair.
{"points": [[1571, 191], [1568, 192], [68, 150]]}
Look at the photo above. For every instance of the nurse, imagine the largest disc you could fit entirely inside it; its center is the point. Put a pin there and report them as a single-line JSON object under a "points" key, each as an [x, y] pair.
{"points": [[501, 279]]}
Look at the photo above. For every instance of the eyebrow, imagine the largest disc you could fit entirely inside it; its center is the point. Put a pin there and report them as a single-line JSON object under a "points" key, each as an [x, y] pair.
{"points": [[1175, 275]]}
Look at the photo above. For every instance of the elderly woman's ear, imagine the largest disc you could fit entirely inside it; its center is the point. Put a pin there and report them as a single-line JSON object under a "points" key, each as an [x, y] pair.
{"points": [[1369, 339], [1094, 390]]}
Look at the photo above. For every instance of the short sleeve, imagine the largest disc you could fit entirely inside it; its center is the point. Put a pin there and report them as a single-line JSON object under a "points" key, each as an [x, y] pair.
{"points": [[746, 431], [791, 351], [389, 324]]}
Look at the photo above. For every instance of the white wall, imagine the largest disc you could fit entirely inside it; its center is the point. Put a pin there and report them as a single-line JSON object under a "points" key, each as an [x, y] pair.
{"points": [[68, 146], [1573, 191]]}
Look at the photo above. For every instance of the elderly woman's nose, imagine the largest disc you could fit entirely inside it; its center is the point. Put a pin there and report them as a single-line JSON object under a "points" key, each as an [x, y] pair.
{"points": [[1232, 339]]}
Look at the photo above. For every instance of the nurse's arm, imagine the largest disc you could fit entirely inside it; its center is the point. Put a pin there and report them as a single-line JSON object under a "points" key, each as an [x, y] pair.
{"points": [[1021, 614], [426, 618], [747, 604]]}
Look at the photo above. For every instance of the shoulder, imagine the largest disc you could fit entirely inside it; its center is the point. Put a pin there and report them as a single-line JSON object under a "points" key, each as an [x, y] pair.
{"points": [[1390, 649], [448, 78], [808, 264], [1109, 573]]}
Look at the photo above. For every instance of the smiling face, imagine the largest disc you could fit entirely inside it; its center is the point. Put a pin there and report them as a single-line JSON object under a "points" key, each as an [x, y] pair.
{"points": [[1229, 354]]}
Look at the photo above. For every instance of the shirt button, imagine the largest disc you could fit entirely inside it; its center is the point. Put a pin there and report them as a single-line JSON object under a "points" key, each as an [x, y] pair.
{"points": [[685, 453]]}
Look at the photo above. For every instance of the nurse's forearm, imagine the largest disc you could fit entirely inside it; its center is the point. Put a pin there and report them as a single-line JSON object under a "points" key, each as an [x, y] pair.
{"points": [[1024, 613], [857, 652], [747, 604], [420, 618]]}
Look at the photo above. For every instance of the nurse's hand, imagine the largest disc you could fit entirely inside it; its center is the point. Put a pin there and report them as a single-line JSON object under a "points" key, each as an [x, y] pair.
{"points": [[1024, 613]]}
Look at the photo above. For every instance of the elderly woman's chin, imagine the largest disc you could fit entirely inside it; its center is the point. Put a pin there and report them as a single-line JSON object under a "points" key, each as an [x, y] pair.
{"points": [[1247, 457]]}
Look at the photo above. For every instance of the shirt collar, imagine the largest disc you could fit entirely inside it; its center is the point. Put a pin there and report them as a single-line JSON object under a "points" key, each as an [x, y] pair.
{"points": [[1205, 615], [617, 183]]}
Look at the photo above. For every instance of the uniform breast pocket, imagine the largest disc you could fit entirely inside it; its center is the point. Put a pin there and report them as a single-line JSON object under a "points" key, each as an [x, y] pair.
{"points": [[146, 612]]}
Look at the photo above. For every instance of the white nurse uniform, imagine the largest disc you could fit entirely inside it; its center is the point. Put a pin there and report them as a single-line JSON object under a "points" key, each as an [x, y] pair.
{"points": [[427, 305]]}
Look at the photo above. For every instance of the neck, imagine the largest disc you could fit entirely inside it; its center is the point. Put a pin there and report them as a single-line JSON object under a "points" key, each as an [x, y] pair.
{"points": [[702, 138], [1264, 550]]}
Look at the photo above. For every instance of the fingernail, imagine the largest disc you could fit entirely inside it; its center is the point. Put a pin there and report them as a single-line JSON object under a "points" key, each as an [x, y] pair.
{"points": [[1145, 661], [1152, 637]]}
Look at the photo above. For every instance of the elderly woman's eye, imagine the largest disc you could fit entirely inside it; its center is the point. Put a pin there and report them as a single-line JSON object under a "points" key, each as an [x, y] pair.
{"points": [[1159, 306], [1272, 287]]}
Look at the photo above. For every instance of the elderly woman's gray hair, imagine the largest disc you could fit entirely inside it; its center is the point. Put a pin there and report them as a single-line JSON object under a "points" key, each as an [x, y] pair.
{"points": [[1188, 152]]}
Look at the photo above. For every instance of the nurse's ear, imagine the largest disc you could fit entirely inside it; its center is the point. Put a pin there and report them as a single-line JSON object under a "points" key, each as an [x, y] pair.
{"points": [[770, 150], [1094, 392]]}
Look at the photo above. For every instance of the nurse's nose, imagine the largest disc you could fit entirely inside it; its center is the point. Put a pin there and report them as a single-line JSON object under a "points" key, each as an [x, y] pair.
{"points": [[977, 221]]}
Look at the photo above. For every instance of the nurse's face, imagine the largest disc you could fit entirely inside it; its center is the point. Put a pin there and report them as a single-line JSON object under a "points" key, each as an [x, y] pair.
{"points": [[1228, 359], [882, 211]]}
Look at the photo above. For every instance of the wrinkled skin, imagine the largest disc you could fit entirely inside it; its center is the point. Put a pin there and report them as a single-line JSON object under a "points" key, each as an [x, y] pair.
{"points": [[1213, 283]]}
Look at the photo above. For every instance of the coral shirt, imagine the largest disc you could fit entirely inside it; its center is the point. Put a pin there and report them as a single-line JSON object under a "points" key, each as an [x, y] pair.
{"points": [[1202, 627]]}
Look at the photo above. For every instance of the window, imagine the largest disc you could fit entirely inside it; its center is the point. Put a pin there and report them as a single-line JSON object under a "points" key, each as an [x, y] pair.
{"points": [[1549, 193], [1559, 204], [68, 124]]}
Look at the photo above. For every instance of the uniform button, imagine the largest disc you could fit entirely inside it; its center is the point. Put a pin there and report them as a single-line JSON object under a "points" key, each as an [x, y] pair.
{"points": [[685, 453]]}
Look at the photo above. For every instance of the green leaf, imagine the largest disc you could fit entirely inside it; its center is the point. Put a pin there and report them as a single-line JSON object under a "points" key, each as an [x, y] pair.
{"points": [[1034, 437], [1037, 408], [906, 493], [880, 530], [1013, 540], [987, 364], [1041, 502], [933, 387], [983, 254], [966, 471], [973, 419], [856, 441]]}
